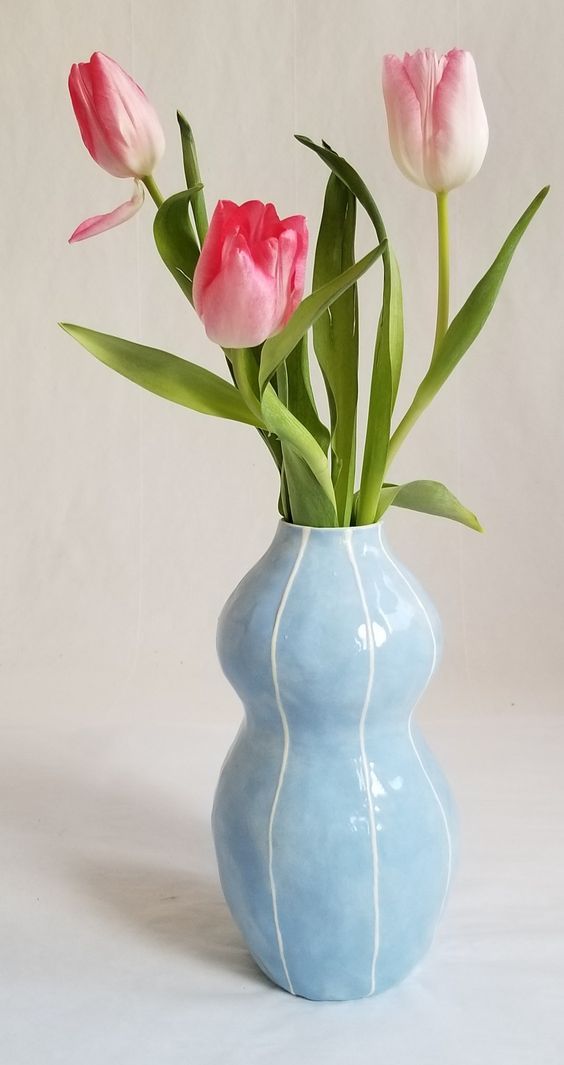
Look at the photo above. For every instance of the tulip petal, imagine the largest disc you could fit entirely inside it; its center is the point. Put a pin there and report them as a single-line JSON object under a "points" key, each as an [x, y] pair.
{"points": [[403, 112], [271, 224], [129, 120], [296, 280], [253, 217], [265, 255], [240, 305], [287, 295], [80, 89], [460, 125], [209, 262], [424, 69], [101, 222]]}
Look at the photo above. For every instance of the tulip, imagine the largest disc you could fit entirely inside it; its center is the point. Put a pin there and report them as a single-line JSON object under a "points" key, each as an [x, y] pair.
{"points": [[438, 135], [120, 129], [250, 275], [436, 119]]}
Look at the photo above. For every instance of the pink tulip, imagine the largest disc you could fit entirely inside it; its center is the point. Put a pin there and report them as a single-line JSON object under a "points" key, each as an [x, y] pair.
{"points": [[436, 119], [250, 274], [120, 129]]}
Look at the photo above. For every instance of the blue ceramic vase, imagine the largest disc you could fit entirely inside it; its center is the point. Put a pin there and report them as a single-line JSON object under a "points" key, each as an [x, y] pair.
{"points": [[333, 824]]}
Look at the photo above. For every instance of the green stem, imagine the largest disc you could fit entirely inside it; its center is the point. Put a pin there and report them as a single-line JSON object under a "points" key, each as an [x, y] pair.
{"points": [[407, 423], [272, 443], [422, 398], [444, 282], [153, 189], [245, 372], [284, 502]]}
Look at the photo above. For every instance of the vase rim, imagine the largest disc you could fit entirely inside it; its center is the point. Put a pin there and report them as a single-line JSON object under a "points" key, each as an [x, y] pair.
{"points": [[331, 528]]}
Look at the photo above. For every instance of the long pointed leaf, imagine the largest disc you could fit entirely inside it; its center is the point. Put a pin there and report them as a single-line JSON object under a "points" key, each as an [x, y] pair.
{"points": [[352, 179], [294, 389], [308, 503], [395, 325], [377, 429], [429, 497], [335, 337], [300, 492], [388, 353], [192, 174], [465, 326], [279, 347], [279, 420], [166, 375], [175, 239]]}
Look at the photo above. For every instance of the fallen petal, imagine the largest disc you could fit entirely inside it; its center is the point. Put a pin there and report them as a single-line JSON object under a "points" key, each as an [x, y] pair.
{"points": [[99, 223]]}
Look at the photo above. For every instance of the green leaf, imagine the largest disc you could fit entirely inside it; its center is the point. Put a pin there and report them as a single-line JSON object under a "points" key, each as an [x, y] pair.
{"points": [[388, 357], [465, 327], [274, 446], [353, 181], [299, 396], [279, 420], [278, 347], [429, 497], [388, 354], [299, 487], [308, 503], [192, 173], [244, 364], [283, 499], [394, 321], [166, 375], [335, 337], [350, 178], [354, 514], [377, 429], [175, 239]]}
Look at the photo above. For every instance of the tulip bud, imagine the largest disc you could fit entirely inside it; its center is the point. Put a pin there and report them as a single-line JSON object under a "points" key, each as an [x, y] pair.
{"points": [[120, 129], [436, 119], [119, 126], [250, 275]]}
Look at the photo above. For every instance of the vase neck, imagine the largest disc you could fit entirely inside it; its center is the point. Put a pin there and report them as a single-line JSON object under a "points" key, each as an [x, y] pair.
{"points": [[364, 537]]}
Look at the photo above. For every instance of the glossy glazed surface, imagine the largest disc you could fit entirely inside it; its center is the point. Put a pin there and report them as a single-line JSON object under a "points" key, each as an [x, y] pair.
{"points": [[332, 822]]}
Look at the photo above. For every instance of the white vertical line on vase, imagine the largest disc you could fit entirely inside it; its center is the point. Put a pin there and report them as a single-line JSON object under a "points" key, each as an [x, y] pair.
{"points": [[286, 735], [417, 755], [364, 758]]}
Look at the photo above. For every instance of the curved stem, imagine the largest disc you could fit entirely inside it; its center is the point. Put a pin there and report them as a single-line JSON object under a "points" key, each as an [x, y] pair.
{"points": [[153, 189], [444, 272]]}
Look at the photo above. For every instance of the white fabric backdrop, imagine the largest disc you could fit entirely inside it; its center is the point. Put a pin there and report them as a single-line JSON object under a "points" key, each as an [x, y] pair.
{"points": [[127, 521]]}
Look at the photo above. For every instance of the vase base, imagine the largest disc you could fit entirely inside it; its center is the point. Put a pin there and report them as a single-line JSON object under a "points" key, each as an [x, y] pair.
{"points": [[326, 995]]}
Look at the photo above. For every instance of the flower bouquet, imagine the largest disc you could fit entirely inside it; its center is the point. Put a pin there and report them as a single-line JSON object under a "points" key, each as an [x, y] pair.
{"points": [[333, 824]]}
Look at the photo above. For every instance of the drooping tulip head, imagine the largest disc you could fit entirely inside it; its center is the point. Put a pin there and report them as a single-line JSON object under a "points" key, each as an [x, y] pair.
{"points": [[436, 118], [118, 124], [120, 129], [250, 275]]}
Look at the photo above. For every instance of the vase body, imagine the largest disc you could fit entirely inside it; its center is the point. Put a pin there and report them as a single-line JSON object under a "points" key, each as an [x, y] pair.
{"points": [[333, 824]]}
